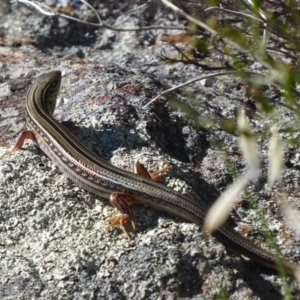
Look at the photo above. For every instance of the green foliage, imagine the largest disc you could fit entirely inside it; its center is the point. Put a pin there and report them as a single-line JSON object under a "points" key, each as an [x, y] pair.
{"points": [[261, 41]]}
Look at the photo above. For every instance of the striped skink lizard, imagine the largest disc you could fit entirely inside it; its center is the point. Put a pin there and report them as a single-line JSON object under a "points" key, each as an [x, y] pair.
{"points": [[123, 188]]}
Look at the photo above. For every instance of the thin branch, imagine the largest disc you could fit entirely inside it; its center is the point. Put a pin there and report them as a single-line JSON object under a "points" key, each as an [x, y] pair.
{"points": [[45, 10], [94, 10], [36, 7], [234, 12], [189, 82], [214, 32], [188, 17], [257, 56]]}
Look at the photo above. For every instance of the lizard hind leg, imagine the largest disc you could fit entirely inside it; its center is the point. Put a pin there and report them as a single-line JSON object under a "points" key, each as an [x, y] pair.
{"points": [[123, 203]]}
